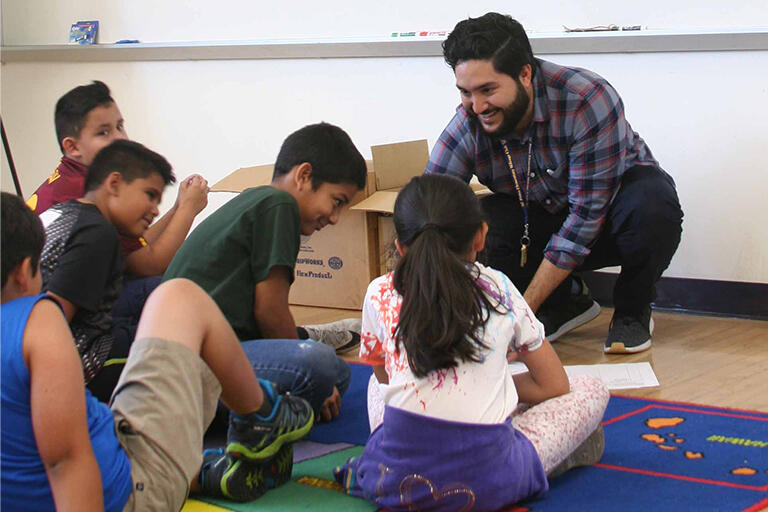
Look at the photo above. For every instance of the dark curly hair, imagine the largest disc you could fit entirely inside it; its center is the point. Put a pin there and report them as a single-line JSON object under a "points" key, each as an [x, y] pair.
{"points": [[493, 36]]}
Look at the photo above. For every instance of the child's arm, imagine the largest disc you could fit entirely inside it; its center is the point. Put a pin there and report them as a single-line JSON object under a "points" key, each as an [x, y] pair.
{"points": [[68, 308], [57, 401], [371, 347], [545, 377], [271, 305], [380, 373], [275, 321], [166, 235]]}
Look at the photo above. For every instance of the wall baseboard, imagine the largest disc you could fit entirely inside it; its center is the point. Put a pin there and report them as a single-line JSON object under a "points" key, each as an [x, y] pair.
{"points": [[702, 296]]}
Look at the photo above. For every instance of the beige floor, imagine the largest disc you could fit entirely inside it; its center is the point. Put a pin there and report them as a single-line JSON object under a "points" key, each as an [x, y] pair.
{"points": [[699, 359]]}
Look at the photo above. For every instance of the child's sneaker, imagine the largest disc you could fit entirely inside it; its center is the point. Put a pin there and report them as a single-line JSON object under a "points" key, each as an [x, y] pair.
{"points": [[278, 470], [587, 453], [222, 476], [258, 438], [343, 335]]}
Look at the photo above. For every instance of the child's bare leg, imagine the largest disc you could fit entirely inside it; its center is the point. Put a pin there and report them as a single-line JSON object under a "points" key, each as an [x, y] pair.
{"points": [[180, 311]]}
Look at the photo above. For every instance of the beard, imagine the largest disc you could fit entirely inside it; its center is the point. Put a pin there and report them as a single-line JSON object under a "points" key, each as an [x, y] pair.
{"points": [[511, 114]]}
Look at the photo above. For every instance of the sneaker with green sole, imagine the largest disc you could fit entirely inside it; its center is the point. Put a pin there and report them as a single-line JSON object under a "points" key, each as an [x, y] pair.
{"points": [[258, 438], [222, 476]]}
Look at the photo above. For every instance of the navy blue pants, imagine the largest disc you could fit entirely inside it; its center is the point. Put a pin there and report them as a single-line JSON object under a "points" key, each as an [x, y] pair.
{"points": [[641, 234], [125, 319]]}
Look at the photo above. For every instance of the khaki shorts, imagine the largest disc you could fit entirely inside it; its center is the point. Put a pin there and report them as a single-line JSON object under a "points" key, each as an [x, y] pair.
{"points": [[164, 401]]}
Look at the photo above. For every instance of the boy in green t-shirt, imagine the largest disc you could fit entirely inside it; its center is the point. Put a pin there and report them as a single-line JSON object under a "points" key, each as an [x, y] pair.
{"points": [[244, 255]]}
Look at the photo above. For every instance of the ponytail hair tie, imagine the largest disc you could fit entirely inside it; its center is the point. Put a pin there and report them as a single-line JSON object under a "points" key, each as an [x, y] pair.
{"points": [[430, 225]]}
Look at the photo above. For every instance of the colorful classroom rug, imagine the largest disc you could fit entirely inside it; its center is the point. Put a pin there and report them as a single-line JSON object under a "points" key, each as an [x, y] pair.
{"points": [[660, 456]]}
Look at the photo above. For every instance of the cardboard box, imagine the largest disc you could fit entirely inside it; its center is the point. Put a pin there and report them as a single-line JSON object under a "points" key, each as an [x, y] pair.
{"points": [[333, 266], [395, 165]]}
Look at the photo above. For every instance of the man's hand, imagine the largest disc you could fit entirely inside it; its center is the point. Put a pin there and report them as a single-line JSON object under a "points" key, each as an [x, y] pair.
{"points": [[331, 406], [193, 194]]}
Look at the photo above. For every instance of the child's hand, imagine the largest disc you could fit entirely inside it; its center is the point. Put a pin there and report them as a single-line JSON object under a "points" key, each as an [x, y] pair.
{"points": [[511, 355], [331, 406], [193, 193]]}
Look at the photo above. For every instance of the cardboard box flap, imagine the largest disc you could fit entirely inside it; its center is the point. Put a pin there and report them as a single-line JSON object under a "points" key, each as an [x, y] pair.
{"points": [[382, 201], [245, 177], [395, 164], [479, 189], [260, 175], [365, 192]]}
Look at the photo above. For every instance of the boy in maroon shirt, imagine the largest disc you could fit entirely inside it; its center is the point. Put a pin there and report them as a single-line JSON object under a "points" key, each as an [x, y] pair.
{"points": [[87, 119]]}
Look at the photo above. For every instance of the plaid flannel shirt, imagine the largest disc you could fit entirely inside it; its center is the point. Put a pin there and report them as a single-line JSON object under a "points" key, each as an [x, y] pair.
{"points": [[582, 144]]}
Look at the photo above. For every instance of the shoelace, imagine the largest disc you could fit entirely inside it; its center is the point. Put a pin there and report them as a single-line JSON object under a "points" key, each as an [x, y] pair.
{"points": [[295, 406]]}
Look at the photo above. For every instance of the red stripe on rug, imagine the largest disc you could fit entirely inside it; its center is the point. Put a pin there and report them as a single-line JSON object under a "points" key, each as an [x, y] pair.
{"points": [[681, 477], [627, 415], [760, 505], [684, 409], [689, 404]]}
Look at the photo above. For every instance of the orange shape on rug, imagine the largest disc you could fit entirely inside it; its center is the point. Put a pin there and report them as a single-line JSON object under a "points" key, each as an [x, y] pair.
{"points": [[744, 471], [653, 438], [663, 422]]}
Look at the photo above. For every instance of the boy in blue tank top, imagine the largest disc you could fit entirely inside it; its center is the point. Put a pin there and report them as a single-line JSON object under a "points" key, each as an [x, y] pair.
{"points": [[63, 449]]}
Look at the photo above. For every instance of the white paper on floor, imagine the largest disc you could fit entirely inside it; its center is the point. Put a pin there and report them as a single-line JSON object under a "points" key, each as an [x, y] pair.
{"points": [[615, 376]]}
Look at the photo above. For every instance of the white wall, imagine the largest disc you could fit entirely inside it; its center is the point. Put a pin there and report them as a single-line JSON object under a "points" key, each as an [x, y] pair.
{"points": [[47, 21], [702, 114]]}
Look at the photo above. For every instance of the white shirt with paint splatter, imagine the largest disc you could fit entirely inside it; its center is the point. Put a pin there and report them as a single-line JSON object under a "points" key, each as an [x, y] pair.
{"points": [[471, 392]]}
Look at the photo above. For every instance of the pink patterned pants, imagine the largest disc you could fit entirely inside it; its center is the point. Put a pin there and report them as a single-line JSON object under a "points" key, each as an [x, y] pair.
{"points": [[555, 427]]}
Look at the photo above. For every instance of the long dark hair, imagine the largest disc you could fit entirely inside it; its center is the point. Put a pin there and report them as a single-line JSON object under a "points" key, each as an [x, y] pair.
{"points": [[436, 219]]}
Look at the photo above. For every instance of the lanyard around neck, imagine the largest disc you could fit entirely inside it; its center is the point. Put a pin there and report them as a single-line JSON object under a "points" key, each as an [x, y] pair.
{"points": [[525, 240]]}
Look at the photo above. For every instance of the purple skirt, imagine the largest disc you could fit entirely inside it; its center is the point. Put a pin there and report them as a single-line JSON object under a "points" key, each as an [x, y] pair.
{"points": [[413, 462]]}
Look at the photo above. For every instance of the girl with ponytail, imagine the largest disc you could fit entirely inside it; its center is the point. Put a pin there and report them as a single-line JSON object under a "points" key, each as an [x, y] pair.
{"points": [[451, 428]]}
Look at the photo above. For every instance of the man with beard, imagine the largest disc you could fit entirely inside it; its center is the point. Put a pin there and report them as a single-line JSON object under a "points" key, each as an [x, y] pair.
{"points": [[575, 188]]}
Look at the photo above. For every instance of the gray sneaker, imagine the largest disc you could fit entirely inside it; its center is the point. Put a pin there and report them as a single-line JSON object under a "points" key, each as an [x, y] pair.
{"points": [[579, 310], [629, 334], [343, 335], [586, 454]]}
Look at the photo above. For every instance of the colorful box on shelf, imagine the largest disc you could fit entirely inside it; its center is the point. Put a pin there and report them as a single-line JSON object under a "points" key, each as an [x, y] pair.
{"points": [[84, 32]]}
